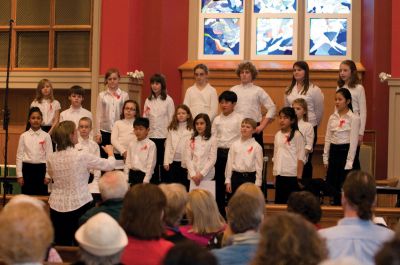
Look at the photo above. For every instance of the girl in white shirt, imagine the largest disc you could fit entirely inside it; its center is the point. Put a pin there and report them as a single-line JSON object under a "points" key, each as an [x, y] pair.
{"points": [[49, 107], [307, 130], [288, 156], [202, 97], [159, 109], [179, 132], [122, 133], [201, 151], [34, 147], [341, 142]]}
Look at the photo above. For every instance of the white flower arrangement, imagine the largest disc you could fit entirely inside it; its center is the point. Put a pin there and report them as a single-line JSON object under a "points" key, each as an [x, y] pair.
{"points": [[136, 75]]}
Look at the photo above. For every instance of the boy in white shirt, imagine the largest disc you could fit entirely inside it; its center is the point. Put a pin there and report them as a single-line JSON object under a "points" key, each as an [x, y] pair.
{"points": [[226, 129], [75, 111], [141, 156], [245, 159]]}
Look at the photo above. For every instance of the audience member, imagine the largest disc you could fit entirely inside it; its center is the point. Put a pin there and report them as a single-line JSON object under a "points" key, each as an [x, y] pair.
{"points": [[305, 204], [389, 254], [189, 253]]}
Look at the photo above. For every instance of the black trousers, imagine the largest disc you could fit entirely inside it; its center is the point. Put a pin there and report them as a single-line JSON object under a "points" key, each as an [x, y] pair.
{"points": [[259, 137], [105, 140], [33, 175], [136, 177], [308, 167], [220, 164], [238, 178], [178, 174], [284, 186], [159, 175]]}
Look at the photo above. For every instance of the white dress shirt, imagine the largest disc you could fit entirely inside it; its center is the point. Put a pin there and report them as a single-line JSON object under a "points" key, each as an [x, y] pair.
{"points": [[226, 128], [315, 102], [122, 135], [359, 104], [109, 109], [69, 170], [48, 110], [245, 156], [75, 115], [250, 99], [287, 154], [91, 147], [342, 130], [160, 113], [175, 144], [201, 156], [141, 155], [307, 130], [33, 147], [202, 100]]}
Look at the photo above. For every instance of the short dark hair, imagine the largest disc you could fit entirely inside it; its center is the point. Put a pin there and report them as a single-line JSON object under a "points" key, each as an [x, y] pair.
{"points": [[189, 253], [141, 212], [78, 90], [360, 191], [389, 254], [202, 67], [228, 95], [140, 121], [306, 204]]}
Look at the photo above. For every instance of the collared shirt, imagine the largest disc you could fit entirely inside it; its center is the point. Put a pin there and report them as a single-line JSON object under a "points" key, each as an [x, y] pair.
{"points": [[201, 156], [33, 147], [307, 130], [122, 135], [250, 99], [202, 100], [48, 110], [315, 102], [245, 156], [69, 170], [175, 144], [141, 155], [91, 147], [75, 115], [342, 130], [357, 238], [226, 128], [160, 113], [359, 104], [287, 154], [109, 109]]}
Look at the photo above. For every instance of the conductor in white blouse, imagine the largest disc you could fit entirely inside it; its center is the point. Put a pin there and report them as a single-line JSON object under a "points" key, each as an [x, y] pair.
{"points": [[68, 170]]}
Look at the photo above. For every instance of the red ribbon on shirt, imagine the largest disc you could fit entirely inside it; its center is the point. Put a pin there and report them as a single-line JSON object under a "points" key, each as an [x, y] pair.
{"points": [[192, 144], [42, 144], [341, 123], [250, 149], [287, 140], [143, 148], [147, 110]]}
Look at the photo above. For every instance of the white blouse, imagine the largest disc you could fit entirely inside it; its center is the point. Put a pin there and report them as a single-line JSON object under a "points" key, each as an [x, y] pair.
{"points": [[69, 170], [175, 144], [75, 115], [245, 156], [307, 130], [48, 110], [91, 147], [202, 101], [226, 128], [201, 156], [122, 135], [160, 113]]}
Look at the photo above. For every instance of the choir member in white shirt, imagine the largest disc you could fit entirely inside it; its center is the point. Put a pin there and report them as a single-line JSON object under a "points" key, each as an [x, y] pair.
{"points": [[68, 170], [288, 156], [341, 142], [245, 159], [109, 107], [226, 129], [142, 154], [348, 78], [159, 108], [251, 98], [122, 133], [179, 132], [201, 151], [75, 111], [34, 147], [49, 107], [202, 97], [307, 130]]}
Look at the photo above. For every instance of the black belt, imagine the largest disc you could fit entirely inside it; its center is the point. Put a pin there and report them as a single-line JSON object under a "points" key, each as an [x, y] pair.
{"points": [[244, 174]]}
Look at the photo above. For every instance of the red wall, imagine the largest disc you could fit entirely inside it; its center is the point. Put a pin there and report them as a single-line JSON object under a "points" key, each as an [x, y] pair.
{"points": [[395, 38]]}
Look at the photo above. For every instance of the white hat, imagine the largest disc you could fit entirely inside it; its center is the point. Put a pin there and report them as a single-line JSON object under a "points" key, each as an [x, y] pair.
{"points": [[101, 235]]}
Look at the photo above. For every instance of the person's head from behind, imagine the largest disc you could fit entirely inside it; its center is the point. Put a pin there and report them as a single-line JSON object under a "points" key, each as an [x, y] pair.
{"points": [[189, 253], [113, 185], [288, 239], [227, 102], [65, 135], [158, 86], [247, 72], [85, 127], [252, 189], [141, 128], [343, 101], [44, 90], [288, 121], [248, 128], [35, 118], [130, 110], [142, 212], [306, 204], [202, 126], [101, 240], [202, 212], [359, 194], [177, 197], [389, 254], [28, 235], [76, 95], [300, 107]]}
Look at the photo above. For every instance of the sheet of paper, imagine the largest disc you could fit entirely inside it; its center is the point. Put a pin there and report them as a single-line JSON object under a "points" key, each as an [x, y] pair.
{"points": [[204, 185]]}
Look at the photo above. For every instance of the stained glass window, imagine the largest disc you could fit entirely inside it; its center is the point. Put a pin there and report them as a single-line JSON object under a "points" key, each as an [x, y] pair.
{"points": [[329, 6], [268, 6], [328, 37], [221, 36], [274, 36], [221, 6]]}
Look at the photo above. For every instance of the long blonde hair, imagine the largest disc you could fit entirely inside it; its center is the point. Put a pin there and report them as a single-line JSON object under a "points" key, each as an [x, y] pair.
{"points": [[40, 85]]}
